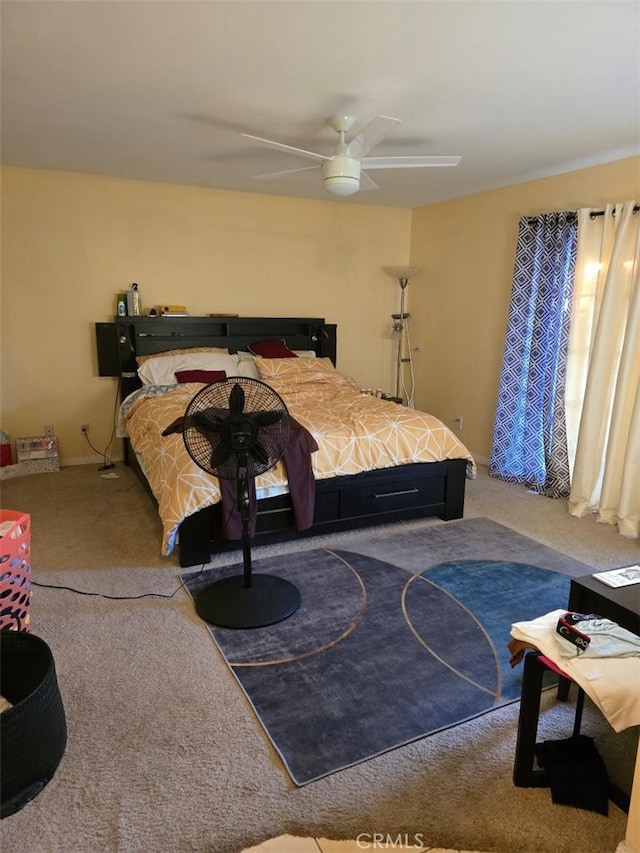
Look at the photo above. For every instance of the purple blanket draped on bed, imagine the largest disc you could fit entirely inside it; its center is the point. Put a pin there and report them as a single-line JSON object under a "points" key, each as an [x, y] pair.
{"points": [[297, 458]]}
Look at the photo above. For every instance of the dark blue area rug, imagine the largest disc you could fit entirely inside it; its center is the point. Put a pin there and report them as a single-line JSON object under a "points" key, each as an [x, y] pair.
{"points": [[393, 640]]}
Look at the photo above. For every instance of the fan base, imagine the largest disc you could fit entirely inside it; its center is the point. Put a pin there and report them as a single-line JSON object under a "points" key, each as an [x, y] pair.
{"points": [[227, 603]]}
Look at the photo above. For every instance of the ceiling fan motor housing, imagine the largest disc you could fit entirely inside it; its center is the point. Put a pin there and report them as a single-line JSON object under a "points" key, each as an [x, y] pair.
{"points": [[341, 175]]}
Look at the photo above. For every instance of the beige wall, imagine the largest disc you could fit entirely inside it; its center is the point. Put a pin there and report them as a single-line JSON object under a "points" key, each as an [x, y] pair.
{"points": [[70, 242], [459, 302]]}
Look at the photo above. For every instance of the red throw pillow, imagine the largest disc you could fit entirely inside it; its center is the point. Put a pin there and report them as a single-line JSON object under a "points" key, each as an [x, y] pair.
{"points": [[271, 349], [206, 376]]}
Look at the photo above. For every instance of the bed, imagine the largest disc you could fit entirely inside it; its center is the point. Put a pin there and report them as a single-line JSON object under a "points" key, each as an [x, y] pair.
{"points": [[365, 488]]}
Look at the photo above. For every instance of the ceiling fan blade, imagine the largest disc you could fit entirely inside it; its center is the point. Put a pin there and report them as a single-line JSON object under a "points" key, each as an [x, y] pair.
{"points": [[366, 183], [236, 400], [268, 175], [372, 134], [408, 162], [289, 149]]}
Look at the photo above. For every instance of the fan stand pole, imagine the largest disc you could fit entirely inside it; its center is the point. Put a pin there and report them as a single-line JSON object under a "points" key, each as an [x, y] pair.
{"points": [[246, 555], [247, 601], [244, 505]]}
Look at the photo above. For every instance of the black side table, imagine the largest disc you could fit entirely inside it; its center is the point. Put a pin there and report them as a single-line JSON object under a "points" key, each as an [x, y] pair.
{"points": [[620, 604]]}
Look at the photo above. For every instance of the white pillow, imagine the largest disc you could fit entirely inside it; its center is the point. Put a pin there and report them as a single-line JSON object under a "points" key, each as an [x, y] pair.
{"points": [[162, 370], [301, 353], [247, 367], [165, 353]]}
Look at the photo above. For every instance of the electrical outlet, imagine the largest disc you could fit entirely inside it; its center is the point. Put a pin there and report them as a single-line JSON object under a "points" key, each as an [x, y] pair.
{"points": [[458, 421], [84, 428]]}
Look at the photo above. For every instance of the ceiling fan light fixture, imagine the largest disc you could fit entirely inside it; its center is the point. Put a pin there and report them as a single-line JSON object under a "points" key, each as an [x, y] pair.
{"points": [[341, 175], [341, 185]]}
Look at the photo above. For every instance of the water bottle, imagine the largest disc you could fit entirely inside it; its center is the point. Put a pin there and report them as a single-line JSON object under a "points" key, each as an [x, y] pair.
{"points": [[135, 300], [121, 305]]}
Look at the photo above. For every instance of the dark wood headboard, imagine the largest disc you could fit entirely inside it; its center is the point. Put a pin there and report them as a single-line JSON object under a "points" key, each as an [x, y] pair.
{"points": [[121, 341]]}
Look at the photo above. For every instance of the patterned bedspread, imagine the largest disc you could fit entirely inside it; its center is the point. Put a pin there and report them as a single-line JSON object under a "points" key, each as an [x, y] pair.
{"points": [[355, 432]]}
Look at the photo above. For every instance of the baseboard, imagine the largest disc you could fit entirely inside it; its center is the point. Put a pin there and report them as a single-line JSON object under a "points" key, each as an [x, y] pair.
{"points": [[83, 460], [480, 460]]}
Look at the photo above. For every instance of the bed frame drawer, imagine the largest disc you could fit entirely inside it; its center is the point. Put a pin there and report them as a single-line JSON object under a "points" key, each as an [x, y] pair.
{"points": [[279, 513], [391, 496], [415, 491]]}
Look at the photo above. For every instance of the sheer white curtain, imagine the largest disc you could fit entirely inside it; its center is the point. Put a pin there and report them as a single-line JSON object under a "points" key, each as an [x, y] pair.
{"points": [[602, 397]]}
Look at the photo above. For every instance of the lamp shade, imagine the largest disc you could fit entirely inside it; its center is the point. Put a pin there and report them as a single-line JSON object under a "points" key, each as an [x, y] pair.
{"points": [[401, 272]]}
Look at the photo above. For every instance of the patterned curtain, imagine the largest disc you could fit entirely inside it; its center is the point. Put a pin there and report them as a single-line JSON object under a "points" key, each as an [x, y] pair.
{"points": [[529, 439]]}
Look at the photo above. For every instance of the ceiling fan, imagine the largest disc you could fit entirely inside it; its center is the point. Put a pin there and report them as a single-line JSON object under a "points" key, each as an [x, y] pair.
{"points": [[342, 171]]}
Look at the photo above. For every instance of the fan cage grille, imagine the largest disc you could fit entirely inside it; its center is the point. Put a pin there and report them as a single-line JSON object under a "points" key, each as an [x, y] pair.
{"points": [[221, 413]]}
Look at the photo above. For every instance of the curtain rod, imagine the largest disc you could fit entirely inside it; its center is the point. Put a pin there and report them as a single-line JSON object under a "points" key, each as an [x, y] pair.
{"points": [[595, 213], [573, 215]]}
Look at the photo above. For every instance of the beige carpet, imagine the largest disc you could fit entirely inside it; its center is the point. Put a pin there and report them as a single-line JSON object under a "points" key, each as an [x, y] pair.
{"points": [[164, 753]]}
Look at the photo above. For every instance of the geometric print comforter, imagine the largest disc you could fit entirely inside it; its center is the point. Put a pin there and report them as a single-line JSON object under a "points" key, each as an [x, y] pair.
{"points": [[354, 432]]}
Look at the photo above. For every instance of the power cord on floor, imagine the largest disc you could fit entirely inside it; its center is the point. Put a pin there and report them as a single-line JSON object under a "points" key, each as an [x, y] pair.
{"points": [[115, 597], [107, 464]]}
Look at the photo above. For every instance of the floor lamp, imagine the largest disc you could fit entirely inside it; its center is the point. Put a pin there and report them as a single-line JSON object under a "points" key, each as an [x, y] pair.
{"points": [[401, 326]]}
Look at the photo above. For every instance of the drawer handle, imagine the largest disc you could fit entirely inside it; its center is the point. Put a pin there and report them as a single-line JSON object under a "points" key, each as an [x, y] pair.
{"points": [[395, 494], [162, 335]]}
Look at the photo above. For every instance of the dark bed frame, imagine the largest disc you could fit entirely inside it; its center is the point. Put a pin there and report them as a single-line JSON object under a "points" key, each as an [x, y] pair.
{"points": [[342, 503]]}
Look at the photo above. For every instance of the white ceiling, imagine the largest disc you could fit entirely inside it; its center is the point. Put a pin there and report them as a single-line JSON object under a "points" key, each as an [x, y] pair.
{"points": [[160, 91]]}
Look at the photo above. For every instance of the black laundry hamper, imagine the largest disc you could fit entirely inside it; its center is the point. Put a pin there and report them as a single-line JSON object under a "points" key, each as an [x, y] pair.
{"points": [[33, 733]]}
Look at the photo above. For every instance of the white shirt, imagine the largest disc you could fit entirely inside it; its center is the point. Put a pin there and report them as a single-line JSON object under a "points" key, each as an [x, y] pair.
{"points": [[613, 683]]}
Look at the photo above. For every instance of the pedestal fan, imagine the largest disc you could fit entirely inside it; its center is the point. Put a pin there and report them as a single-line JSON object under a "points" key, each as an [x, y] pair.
{"points": [[237, 428]]}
